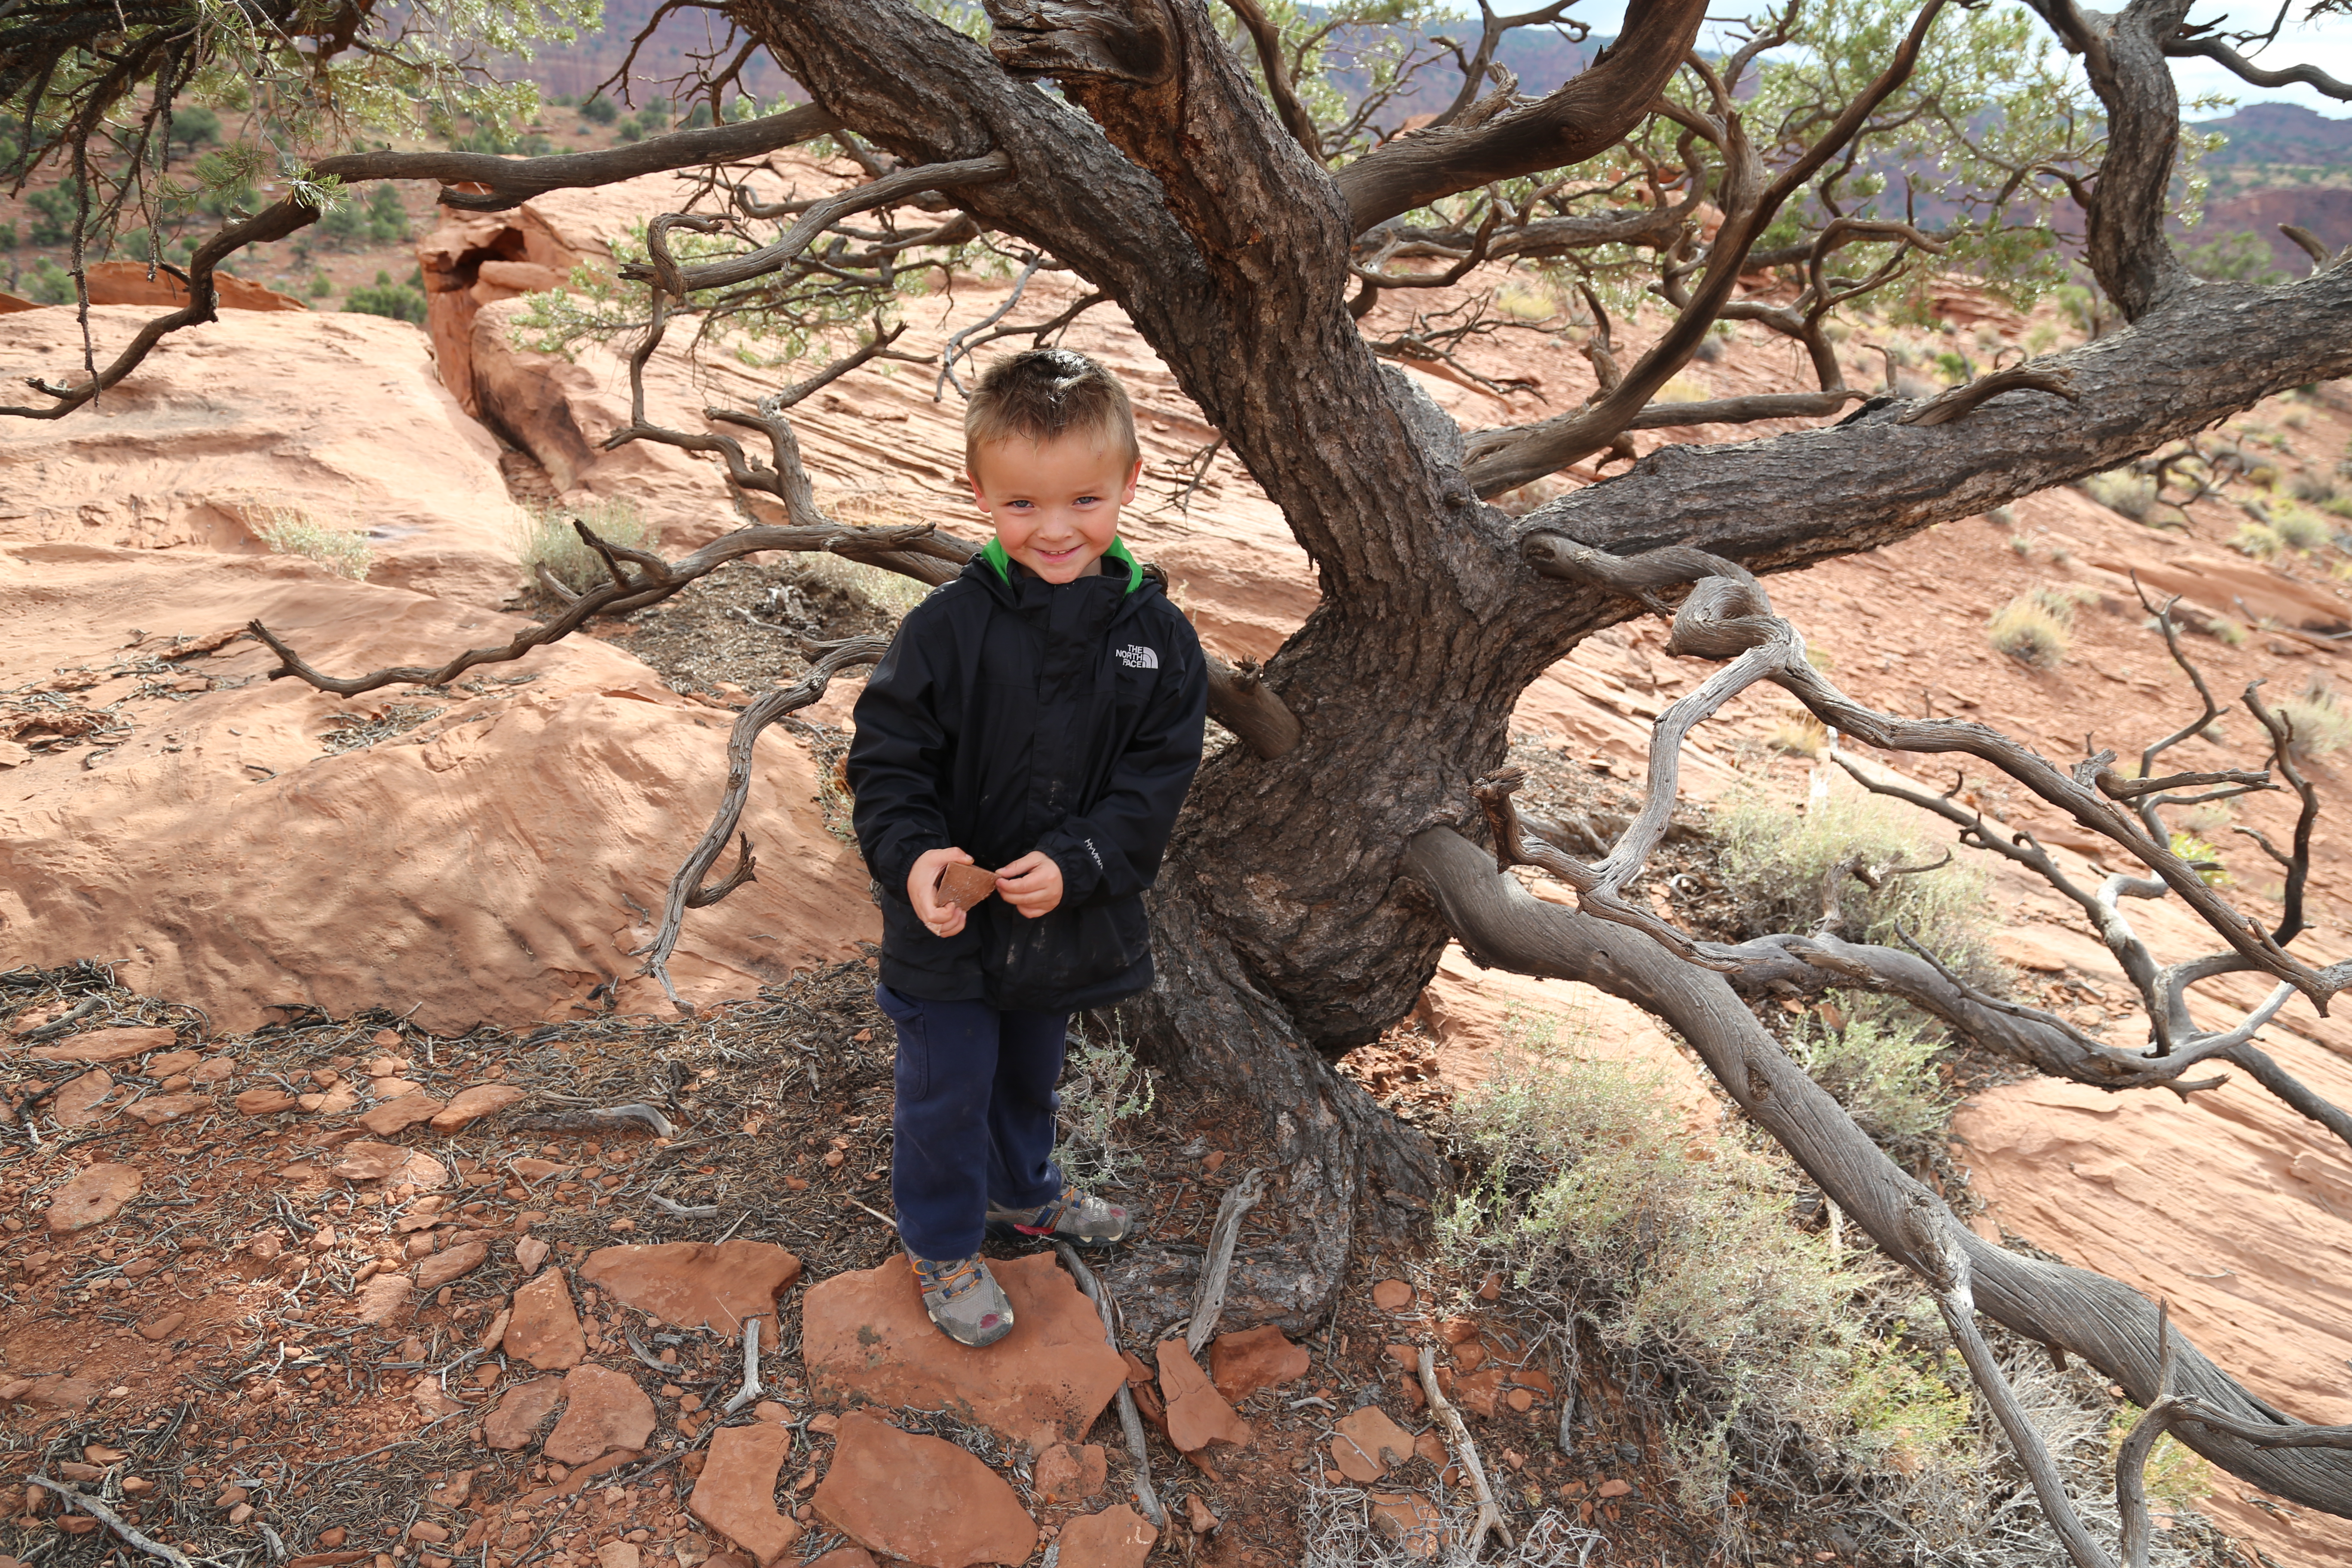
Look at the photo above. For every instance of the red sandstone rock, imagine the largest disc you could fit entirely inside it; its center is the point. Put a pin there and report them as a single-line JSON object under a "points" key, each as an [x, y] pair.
{"points": [[77, 1103], [443, 1266], [1242, 1363], [338, 1098], [864, 1336], [166, 1063], [920, 1498], [212, 1070], [469, 1106], [1115, 1538], [1198, 1415], [530, 1253], [127, 283], [394, 1115], [366, 1162], [545, 1327], [521, 1411], [263, 1102], [602, 1410], [93, 1197], [158, 1109], [1065, 1473], [1392, 1295], [1478, 1391], [697, 1284], [1367, 1443], [106, 1046], [385, 1299], [736, 1493]]}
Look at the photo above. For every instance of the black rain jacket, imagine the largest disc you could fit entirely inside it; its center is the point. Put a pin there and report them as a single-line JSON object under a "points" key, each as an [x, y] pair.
{"points": [[1012, 714]]}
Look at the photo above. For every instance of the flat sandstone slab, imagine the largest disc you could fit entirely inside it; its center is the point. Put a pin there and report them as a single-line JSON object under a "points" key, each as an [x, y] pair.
{"points": [[865, 1337]]}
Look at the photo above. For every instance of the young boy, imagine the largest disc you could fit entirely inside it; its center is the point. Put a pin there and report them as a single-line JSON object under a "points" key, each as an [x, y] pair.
{"points": [[1041, 715]]}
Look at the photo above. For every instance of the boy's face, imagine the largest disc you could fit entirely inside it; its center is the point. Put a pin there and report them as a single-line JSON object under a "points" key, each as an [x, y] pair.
{"points": [[1055, 504]]}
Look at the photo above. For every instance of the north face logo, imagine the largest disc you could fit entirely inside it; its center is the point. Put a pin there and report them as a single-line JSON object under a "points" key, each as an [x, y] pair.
{"points": [[1135, 656]]}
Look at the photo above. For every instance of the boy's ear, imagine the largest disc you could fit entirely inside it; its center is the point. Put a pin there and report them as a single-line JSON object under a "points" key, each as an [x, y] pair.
{"points": [[978, 498], [1134, 476]]}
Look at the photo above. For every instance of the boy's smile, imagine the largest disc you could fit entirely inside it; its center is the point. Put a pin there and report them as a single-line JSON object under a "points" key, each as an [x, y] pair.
{"points": [[1055, 504]]}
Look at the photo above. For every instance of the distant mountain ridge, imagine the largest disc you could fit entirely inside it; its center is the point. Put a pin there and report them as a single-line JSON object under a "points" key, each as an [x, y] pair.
{"points": [[2280, 133]]}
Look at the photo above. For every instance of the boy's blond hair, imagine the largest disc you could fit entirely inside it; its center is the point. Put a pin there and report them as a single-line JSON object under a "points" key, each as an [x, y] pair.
{"points": [[1043, 395]]}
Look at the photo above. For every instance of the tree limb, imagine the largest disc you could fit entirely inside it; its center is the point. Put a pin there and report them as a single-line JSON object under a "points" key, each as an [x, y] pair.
{"points": [[510, 182], [1579, 119], [2108, 1324]]}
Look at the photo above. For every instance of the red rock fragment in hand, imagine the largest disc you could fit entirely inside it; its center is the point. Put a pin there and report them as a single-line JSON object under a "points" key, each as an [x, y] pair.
{"points": [[1198, 1415], [736, 1493], [117, 1044], [397, 1115], [966, 886], [698, 1284], [443, 1266], [469, 1106], [1367, 1443], [93, 1197], [544, 1329], [1115, 1538], [602, 1410], [521, 1411], [1068, 1474], [920, 1498], [1242, 1363]]}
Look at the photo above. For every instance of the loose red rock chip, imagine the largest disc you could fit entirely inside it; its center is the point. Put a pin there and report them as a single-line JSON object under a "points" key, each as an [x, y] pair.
{"points": [[966, 886]]}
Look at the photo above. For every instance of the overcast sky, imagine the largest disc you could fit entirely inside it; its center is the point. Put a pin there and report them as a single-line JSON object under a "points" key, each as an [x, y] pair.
{"points": [[2327, 44]]}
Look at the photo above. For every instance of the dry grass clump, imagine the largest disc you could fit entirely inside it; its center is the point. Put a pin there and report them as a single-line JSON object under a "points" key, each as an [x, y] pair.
{"points": [[2031, 631], [2320, 724], [1799, 735], [1777, 858], [550, 540], [2122, 490], [1587, 1185], [291, 530], [2258, 541], [1879, 1069]]}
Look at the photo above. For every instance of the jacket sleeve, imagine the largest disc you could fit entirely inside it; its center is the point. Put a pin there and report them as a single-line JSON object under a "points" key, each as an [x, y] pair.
{"points": [[1113, 851], [898, 759]]}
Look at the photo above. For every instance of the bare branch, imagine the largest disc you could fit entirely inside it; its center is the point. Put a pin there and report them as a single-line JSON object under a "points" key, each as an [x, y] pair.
{"points": [[2108, 1324], [1960, 400], [2179, 46], [686, 890], [510, 182]]}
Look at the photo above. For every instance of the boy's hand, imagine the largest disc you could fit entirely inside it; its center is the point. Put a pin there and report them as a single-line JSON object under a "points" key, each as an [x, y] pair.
{"points": [[923, 891], [1032, 884]]}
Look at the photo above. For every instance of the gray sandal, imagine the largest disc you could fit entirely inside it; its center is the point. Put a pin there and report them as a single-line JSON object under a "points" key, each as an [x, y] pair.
{"points": [[1076, 1216]]}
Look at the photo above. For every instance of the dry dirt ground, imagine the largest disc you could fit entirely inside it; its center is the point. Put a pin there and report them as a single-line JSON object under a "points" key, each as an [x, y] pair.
{"points": [[204, 1354]]}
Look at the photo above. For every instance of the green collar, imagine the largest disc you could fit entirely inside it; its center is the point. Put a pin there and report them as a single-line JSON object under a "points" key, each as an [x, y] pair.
{"points": [[994, 553]]}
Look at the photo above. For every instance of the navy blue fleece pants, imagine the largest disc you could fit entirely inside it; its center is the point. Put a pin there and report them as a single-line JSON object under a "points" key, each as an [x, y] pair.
{"points": [[974, 1121]]}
